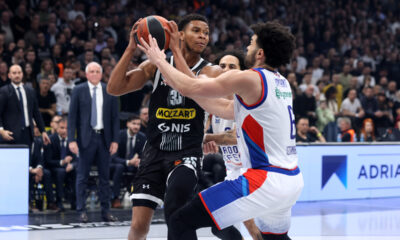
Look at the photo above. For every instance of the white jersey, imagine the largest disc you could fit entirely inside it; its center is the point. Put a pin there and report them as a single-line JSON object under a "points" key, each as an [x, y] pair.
{"points": [[230, 153], [266, 130]]}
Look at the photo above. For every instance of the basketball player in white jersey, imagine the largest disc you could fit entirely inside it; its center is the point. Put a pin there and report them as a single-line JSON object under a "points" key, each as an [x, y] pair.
{"points": [[262, 110]]}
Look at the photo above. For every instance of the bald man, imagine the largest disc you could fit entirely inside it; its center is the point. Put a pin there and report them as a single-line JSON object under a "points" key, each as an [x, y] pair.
{"points": [[18, 109]]}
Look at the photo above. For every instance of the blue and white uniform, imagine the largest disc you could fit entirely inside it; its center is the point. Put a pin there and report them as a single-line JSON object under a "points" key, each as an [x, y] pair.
{"points": [[272, 182]]}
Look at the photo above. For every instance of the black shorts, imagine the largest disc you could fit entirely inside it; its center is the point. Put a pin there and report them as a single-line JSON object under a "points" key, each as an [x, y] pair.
{"points": [[155, 166]]}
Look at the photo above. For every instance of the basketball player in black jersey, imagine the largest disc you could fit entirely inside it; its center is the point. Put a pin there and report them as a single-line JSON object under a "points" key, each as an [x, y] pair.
{"points": [[171, 158]]}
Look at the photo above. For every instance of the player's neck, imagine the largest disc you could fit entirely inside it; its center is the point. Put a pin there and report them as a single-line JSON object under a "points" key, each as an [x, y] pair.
{"points": [[263, 65], [191, 58]]}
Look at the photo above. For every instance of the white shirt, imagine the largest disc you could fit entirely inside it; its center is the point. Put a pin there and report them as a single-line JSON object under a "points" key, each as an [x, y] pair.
{"points": [[63, 92], [350, 106], [133, 139], [99, 104], [24, 101]]}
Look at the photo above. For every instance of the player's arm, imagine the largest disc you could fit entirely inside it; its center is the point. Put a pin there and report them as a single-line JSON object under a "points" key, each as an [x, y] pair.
{"points": [[121, 81], [225, 138]]}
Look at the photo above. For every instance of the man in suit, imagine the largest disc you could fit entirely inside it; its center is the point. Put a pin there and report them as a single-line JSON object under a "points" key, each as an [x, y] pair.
{"points": [[18, 109], [62, 163], [39, 174], [93, 114], [127, 159]]}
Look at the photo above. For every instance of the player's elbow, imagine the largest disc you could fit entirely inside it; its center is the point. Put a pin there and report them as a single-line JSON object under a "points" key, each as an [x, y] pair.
{"points": [[113, 90]]}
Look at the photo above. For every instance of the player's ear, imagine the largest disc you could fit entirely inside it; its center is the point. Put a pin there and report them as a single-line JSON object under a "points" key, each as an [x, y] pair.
{"points": [[260, 53], [181, 35]]}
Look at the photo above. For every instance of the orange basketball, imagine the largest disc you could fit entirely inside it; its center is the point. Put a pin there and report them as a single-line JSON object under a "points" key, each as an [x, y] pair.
{"points": [[155, 25]]}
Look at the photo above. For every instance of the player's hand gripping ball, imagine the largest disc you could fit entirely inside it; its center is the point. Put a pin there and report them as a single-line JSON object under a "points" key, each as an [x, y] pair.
{"points": [[155, 25]]}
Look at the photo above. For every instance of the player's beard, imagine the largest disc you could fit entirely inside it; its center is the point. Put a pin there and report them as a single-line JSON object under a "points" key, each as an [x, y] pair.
{"points": [[250, 59]]}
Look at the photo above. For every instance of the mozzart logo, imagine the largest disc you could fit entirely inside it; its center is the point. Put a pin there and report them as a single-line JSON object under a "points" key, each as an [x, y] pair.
{"points": [[335, 164]]}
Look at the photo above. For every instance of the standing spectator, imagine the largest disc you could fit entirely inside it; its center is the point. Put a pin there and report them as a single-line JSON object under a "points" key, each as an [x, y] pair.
{"points": [[46, 101], [347, 134], [93, 113], [367, 131], [62, 164], [18, 109], [144, 119], [63, 89], [127, 159]]}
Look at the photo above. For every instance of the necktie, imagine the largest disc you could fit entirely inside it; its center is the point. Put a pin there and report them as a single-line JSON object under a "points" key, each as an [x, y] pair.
{"points": [[21, 104], [93, 120], [129, 150], [63, 151]]}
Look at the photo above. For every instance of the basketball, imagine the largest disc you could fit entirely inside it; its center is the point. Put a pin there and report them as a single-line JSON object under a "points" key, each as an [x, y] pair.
{"points": [[155, 25]]}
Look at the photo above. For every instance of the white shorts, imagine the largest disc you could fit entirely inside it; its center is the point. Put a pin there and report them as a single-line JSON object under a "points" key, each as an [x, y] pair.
{"points": [[266, 193]]}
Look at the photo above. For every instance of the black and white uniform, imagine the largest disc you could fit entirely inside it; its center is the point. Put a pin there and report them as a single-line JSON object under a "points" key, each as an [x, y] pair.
{"points": [[174, 138]]}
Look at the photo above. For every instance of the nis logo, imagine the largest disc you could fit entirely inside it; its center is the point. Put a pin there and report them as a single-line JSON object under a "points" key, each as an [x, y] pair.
{"points": [[177, 128]]}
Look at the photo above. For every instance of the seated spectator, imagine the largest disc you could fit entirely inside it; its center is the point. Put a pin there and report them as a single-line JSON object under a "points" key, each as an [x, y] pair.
{"points": [[351, 106], [345, 77], [392, 134], [365, 79], [54, 124], [38, 174], [46, 101], [370, 104], [305, 105], [305, 133], [367, 131], [62, 164], [386, 120], [331, 100], [144, 119], [347, 134], [127, 158], [324, 114]]}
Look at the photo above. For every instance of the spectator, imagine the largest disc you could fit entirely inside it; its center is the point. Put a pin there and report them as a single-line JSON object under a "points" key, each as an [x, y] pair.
{"points": [[54, 124], [62, 164], [331, 100], [339, 89], [46, 101], [29, 77], [305, 133], [20, 21], [63, 90], [324, 114], [46, 69], [127, 159], [39, 174], [18, 109], [367, 131], [370, 104], [144, 119], [94, 114], [391, 91], [4, 80], [347, 134], [345, 77], [351, 106], [6, 26], [365, 79], [386, 120]]}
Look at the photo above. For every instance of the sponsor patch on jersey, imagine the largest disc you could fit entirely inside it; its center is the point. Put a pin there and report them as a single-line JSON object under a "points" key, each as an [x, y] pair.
{"points": [[176, 113], [282, 94], [291, 150]]}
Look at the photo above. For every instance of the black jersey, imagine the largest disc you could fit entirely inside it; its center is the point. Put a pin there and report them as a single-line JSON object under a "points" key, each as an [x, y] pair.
{"points": [[175, 122]]}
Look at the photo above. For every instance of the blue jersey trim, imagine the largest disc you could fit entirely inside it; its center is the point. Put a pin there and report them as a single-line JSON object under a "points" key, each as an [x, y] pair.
{"points": [[258, 157], [264, 81]]}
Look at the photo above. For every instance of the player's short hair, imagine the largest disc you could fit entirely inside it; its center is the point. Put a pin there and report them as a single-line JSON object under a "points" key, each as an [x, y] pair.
{"points": [[185, 20], [277, 42], [236, 53]]}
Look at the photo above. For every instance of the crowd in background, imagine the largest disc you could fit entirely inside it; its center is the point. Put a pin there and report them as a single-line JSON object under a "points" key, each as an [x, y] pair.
{"points": [[345, 72]]}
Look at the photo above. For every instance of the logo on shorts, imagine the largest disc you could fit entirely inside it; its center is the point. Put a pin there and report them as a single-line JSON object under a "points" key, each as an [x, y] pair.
{"points": [[146, 186], [336, 164], [177, 162]]}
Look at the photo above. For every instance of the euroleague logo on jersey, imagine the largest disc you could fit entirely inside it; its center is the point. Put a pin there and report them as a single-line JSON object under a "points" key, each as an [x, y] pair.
{"points": [[175, 127]]}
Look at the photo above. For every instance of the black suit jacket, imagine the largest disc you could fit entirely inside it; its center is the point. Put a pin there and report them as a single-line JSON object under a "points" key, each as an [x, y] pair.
{"points": [[52, 153], [79, 116], [11, 112], [119, 157], [36, 157]]}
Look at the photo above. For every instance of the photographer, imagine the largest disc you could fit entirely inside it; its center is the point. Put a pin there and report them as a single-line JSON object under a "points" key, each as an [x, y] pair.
{"points": [[305, 133]]}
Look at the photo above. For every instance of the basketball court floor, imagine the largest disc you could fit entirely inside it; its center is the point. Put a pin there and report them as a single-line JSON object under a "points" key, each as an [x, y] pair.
{"points": [[373, 219]]}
